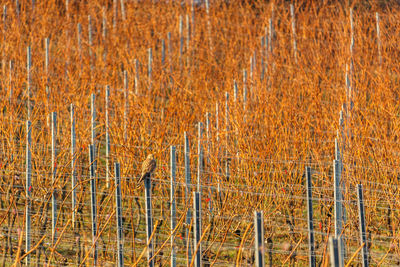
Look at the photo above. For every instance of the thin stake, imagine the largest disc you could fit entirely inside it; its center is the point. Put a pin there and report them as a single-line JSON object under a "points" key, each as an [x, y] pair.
{"points": [[200, 156], [73, 170], [361, 216], [118, 213], [47, 57], [54, 173], [126, 105], [173, 204], [28, 85], [93, 125], [28, 189], [208, 125]]}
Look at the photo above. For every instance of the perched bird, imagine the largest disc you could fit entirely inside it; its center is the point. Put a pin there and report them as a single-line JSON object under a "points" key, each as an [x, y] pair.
{"points": [[148, 167]]}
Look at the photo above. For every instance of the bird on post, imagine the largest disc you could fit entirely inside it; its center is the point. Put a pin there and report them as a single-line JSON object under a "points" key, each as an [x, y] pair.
{"points": [[148, 167]]}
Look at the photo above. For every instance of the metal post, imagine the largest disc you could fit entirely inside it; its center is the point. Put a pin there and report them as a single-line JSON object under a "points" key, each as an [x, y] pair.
{"points": [[311, 243], [28, 190], [73, 170], [259, 239], [118, 207], [53, 174], [187, 193], [334, 251], [149, 221], [173, 204], [361, 216], [93, 202], [197, 228], [338, 207]]}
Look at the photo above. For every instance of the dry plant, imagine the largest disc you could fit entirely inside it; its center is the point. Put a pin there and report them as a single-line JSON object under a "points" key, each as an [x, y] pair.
{"points": [[283, 116]]}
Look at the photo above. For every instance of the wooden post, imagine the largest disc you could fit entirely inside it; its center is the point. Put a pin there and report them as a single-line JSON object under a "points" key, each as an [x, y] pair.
{"points": [[187, 194], [93, 201], [107, 137], [118, 213], [149, 221], [361, 216], [338, 207], [173, 204], [73, 167], [311, 242], [28, 190], [259, 238], [53, 176], [197, 228]]}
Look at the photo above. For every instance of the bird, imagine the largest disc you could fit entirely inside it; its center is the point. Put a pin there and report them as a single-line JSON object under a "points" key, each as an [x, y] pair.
{"points": [[148, 167]]}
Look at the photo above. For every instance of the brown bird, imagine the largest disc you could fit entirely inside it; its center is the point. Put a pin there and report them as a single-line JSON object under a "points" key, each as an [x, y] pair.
{"points": [[148, 167]]}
